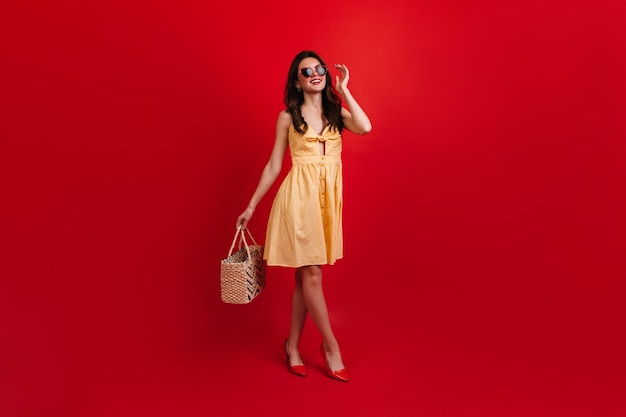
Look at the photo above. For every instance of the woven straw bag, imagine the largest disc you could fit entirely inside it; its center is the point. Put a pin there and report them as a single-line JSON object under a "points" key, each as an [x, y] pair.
{"points": [[242, 274]]}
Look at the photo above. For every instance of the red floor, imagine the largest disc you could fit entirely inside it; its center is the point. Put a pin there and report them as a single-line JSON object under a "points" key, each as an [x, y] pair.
{"points": [[425, 350]]}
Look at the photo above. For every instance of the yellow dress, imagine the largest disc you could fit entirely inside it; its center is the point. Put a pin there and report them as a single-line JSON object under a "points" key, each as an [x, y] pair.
{"points": [[304, 226]]}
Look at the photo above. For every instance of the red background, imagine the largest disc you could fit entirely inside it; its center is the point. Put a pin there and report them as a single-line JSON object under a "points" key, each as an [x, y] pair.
{"points": [[484, 215]]}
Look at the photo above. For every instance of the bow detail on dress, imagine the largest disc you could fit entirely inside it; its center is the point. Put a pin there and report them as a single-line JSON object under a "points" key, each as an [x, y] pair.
{"points": [[327, 134]]}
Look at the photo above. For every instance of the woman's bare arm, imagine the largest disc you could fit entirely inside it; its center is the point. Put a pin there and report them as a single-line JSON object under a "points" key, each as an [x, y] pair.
{"points": [[354, 118], [272, 168]]}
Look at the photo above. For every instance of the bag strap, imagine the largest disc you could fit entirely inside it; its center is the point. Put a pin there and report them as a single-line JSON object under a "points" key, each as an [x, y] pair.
{"points": [[239, 233], [250, 234]]}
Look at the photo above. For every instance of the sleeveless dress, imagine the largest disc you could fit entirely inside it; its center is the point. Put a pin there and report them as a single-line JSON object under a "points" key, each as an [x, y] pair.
{"points": [[304, 226]]}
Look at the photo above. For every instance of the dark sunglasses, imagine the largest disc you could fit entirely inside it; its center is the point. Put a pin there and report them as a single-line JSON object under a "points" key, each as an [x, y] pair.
{"points": [[308, 72]]}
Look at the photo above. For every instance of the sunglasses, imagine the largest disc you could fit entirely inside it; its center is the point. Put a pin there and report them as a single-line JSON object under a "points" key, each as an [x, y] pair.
{"points": [[308, 72]]}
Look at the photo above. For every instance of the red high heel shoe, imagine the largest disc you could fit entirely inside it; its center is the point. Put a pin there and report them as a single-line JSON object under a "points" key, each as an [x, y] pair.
{"points": [[299, 370], [340, 375]]}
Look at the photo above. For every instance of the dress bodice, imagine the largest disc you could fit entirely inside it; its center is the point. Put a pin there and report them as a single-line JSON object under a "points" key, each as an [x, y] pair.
{"points": [[307, 144]]}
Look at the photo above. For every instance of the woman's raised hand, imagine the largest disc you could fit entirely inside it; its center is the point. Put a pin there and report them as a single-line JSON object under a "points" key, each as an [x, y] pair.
{"points": [[341, 83]]}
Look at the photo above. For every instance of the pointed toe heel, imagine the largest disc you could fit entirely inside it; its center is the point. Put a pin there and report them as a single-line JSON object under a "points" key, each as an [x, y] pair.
{"points": [[340, 375], [299, 370]]}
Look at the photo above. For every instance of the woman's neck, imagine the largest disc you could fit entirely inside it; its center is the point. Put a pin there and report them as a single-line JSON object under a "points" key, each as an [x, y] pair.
{"points": [[313, 101]]}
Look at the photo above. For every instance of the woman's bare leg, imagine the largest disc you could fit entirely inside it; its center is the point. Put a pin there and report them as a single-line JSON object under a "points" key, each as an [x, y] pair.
{"points": [[298, 317], [313, 295]]}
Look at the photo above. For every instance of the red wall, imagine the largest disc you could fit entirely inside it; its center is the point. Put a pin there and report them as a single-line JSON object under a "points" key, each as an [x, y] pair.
{"points": [[489, 196]]}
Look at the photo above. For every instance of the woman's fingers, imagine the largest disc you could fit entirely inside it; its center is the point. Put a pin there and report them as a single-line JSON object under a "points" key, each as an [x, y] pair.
{"points": [[345, 74], [242, 222], [342, 67]]}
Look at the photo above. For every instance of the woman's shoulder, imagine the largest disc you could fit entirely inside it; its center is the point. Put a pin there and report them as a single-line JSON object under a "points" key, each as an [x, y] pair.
{"points": [[284, 115], [284, 119]]}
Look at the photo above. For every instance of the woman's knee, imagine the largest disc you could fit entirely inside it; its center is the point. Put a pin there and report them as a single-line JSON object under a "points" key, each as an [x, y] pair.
{"points": [[311, 275]]}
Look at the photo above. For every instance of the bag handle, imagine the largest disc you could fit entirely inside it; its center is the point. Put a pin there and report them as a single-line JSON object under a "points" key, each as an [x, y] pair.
{"points": [[239, 233]]}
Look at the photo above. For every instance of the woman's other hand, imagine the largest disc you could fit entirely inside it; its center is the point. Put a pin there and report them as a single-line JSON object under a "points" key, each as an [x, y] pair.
{"points": [[244, 218]]}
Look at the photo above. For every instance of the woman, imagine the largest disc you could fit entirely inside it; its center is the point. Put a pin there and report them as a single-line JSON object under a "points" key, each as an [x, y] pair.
{"points": [[304, 229]]}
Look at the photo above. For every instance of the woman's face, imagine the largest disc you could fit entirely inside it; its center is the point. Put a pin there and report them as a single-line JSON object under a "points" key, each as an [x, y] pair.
{"points": [[314, 83]]}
